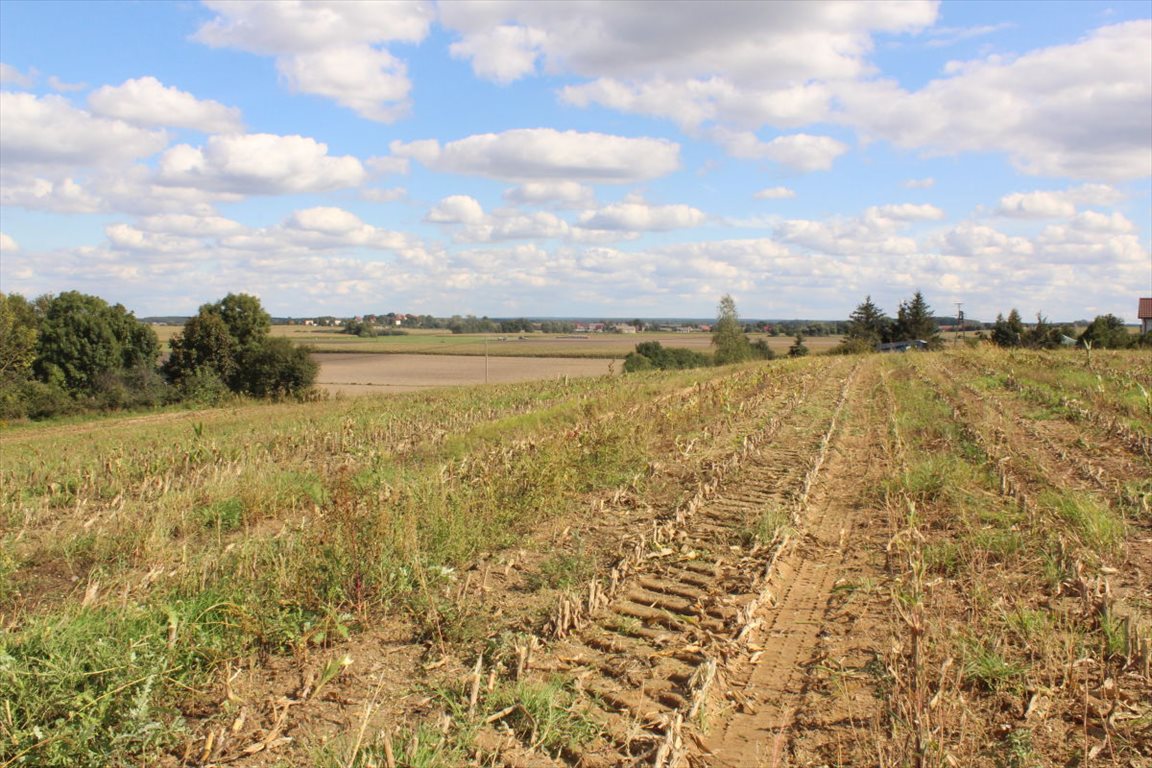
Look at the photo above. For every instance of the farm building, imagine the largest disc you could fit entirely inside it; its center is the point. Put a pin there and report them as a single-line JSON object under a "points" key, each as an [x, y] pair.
{"points": [[1145, 315], [902, 346]]}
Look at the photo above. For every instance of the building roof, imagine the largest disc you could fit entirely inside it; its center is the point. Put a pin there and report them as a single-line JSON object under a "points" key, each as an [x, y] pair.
{"points": [[1145, 309]]}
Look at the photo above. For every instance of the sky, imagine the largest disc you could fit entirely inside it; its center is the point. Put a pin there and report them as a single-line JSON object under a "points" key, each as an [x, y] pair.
{"points": [[579, 159]]}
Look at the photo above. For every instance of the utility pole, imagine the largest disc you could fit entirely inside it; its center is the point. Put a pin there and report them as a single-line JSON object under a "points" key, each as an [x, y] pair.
{"points": [[960, 320]]}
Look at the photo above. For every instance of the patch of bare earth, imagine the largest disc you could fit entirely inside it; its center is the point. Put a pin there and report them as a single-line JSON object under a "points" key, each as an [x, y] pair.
{"points": [[662, 647]]}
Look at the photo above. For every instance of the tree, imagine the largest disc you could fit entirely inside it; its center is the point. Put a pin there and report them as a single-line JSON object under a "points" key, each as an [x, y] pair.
{"points": [[1107, 332], [246, 319], [229, 341], [18, 332], [914, 321], [1010, 332], [798, 349], [728, 335], [206, 345], [274, 368], [82, 338], [867, 327]]}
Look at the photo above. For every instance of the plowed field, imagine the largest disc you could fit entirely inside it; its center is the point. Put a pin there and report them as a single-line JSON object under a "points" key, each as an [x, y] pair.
{"points": [[917, 560]]}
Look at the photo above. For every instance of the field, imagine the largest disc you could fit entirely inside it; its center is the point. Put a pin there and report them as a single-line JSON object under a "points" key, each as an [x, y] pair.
{"points": [[935, 559], [608, 346], [357, 373]]}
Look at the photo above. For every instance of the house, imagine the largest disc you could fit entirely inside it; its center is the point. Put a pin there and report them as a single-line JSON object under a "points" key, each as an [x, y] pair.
{"points": [[1145, 315], [902, 346]]}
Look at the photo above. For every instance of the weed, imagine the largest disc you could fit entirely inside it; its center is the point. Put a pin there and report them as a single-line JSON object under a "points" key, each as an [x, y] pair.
{"points": [[986, 667], [544, 715], [1089, 518]]}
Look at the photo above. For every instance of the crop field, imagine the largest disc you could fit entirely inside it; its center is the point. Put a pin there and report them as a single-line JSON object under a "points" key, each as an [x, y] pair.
{"points": [[606, 346], [356, 373], [931, 559]]}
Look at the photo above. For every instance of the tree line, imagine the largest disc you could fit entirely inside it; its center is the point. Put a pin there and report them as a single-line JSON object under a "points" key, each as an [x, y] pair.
{"points": [[75, 352]]}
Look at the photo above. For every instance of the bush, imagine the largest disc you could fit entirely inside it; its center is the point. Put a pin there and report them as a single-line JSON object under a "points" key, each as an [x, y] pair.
{"points": [[275, 368], [651, 354]]}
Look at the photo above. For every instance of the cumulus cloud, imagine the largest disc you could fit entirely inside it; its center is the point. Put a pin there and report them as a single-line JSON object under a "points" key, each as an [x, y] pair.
{"points": [[562, 194], [188, 225], [732, 62], [329, 227], [48, 131], [801, 151], [457, 209], [328, 48], [1078, 110], [371, 82], [391, 195], [128, 238], [775, 193], [8, 243], [10, 75], [534, 154], [904, 212], [259, 163], [637, 216], [148, 102], [1056, 203]]}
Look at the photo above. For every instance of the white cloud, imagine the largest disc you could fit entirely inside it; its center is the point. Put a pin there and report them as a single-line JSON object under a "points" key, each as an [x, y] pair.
{"points": [[1078, 110], [566, 194], [128, 238], [384, 195], [735, 62], [971, 240], [148, 102], [801, 151], [59, 85], [457, 209], [534, 154], [8, 243], [1028, 205], [326, 227], [775, 193], [638, 216], [388, 165], [905, 212], [502, 53], [371, 82], [1056, 203], [48, 131], [188, 225], [259, 163], [10, 75], [328, 48], [926, 183]]}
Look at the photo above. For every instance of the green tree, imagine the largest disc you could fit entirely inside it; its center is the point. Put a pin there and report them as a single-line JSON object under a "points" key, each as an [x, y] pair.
{"points": [[867, 327], [798, 349], [18, 332], [229, 341], [274, 368], [82, 338], [1107, 332], [204, 346], [914, 321], [728, 335], [246, 319], [1010, 332]]}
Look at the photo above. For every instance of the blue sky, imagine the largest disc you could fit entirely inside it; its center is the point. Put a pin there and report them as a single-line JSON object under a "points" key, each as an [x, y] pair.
{"points": [[579, 158]]}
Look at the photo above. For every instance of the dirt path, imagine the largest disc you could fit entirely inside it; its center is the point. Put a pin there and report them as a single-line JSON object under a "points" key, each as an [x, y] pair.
{"points": [[773, 709], [682, 613]]}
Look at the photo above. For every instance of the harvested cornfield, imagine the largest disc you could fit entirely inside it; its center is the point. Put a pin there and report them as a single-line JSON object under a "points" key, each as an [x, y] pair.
{"points": [[926, 559]]}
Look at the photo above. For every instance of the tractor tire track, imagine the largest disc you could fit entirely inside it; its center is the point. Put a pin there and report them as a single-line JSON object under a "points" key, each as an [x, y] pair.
{"points": [[645, 657]]}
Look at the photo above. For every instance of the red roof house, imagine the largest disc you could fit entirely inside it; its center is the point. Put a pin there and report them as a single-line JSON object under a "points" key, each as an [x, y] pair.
{"points": [[1145, 315]]}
